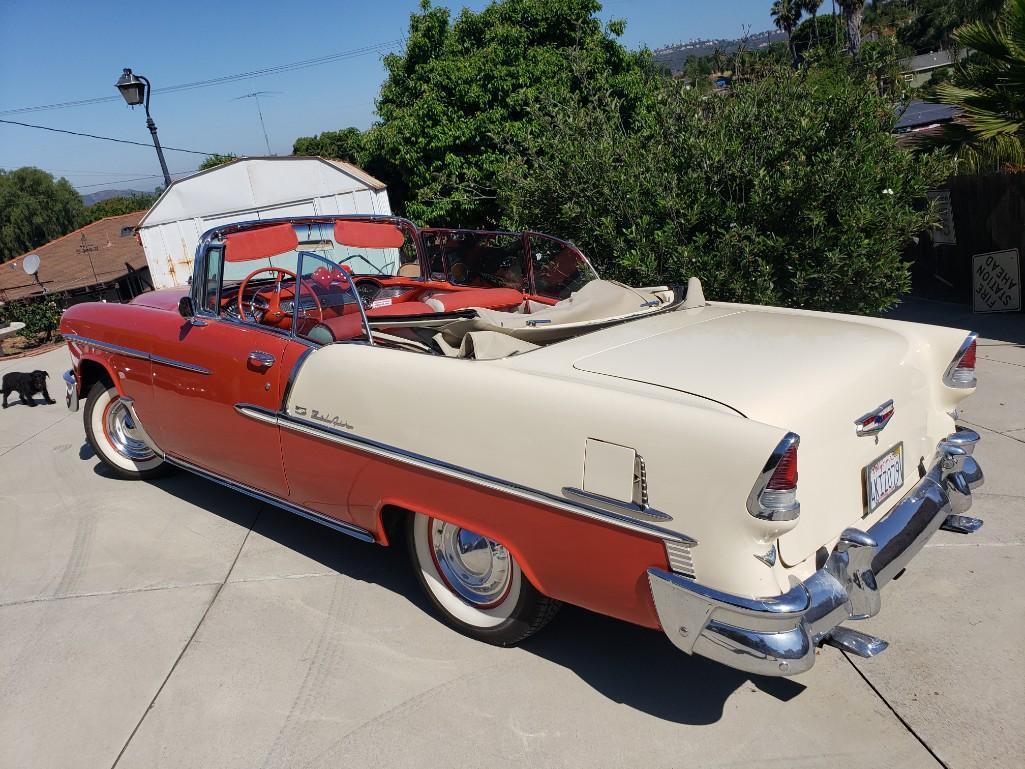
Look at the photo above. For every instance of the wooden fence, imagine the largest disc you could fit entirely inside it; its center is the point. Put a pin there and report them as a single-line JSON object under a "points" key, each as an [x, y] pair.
{"points": [[987, 214]]}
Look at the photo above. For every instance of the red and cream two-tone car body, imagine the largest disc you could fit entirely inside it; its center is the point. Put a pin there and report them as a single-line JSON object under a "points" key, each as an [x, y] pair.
{"points": [[537, 435]]}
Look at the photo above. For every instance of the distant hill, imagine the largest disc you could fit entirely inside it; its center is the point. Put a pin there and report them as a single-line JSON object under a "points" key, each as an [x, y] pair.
{"points": [[96, 197], [675, 56]]}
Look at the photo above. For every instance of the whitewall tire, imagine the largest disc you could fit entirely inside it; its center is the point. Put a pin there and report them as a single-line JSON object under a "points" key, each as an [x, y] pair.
{"points": [[116, 438], [475, 583]]}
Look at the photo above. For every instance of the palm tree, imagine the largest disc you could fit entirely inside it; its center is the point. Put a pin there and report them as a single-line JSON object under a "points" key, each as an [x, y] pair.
{"points": [[812, 7], [853, 11], [989, 88], [786, 14]]}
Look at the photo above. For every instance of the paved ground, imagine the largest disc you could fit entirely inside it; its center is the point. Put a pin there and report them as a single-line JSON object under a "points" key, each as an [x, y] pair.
{"points": [[176, 624]]}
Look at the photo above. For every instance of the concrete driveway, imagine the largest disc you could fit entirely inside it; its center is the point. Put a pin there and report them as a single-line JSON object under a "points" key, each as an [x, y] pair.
{"points": [[177, 624]]}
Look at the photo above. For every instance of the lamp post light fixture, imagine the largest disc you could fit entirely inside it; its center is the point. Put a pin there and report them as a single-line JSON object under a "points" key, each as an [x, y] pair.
{"points": [[136, 90]]}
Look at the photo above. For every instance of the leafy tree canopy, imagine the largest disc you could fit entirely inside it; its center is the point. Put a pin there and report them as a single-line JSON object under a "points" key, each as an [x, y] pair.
{"points": [[122, 204], [928, 25], [789, 190], [34, 209], [987, 87], [458, 100], [212, 161], [346, 145]]}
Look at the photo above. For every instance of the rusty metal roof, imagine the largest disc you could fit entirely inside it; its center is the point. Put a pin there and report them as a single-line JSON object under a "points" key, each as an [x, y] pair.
{"points": [[94, 254]]}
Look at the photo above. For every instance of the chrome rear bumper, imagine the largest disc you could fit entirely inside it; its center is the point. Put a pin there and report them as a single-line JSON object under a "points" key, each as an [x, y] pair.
{"points": [[778, 635]]}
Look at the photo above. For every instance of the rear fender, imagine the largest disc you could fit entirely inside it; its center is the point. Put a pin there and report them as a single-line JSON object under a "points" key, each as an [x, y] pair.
{"points": [[488, 529], [580, 561]]}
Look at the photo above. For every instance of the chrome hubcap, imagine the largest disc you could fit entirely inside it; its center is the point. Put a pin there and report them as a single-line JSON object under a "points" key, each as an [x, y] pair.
{"points": [[477, 569], [123, 434]]}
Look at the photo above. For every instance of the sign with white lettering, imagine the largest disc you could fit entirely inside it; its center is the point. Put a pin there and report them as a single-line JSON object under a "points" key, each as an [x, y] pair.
{"points": [[996, 281]]}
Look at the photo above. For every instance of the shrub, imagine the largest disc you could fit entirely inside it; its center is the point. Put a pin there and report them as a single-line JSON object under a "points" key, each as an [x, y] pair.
{"points": [[790, 190], [40, 316]]}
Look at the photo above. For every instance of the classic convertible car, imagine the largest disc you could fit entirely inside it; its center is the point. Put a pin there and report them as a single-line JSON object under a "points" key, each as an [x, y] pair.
{"points": [[536, 435]]}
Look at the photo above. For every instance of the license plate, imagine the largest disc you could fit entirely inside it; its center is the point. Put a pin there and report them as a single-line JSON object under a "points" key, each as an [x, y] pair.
{"points": [[883, 477]]}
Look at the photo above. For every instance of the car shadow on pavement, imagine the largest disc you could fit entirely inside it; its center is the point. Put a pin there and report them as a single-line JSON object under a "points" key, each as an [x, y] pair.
{"points": [[640, 668], [628, 664]]}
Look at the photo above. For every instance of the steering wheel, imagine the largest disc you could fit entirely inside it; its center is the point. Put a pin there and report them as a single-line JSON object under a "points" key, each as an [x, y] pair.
{"points": [[273, 313]]}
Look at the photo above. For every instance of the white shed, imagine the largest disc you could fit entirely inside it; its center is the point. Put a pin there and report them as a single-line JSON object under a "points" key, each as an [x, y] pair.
{"points": [[247, 189]]}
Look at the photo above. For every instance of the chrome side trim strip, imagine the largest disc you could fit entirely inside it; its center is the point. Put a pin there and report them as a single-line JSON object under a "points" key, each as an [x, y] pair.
{"points": [[131, 352], [305, 427], [642, 512], [302, 512], [180, 364]]}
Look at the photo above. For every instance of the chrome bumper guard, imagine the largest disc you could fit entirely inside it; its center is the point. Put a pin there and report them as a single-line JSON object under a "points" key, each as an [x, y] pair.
{"points": [[71, 399], [778, 635]]}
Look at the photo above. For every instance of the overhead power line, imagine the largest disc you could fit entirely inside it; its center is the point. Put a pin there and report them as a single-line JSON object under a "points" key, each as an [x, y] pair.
{"points": [[104, 138], [126, 181], [320, 60]]}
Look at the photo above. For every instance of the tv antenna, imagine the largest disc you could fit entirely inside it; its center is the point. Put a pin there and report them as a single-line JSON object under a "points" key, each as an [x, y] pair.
{"points": [[255, 96]]}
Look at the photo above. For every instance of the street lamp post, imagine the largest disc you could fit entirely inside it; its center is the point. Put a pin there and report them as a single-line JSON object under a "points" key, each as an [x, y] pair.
{"points": [[136, 90]]}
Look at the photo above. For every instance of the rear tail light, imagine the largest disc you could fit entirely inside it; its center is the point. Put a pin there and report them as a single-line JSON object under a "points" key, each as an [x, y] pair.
{"points": [[961, 371], [774, 495]]}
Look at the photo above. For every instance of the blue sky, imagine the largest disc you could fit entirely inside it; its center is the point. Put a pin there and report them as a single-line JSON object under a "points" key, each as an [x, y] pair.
{"points": [[60, 51]]}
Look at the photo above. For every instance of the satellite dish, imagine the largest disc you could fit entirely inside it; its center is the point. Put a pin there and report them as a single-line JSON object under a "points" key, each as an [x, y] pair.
{"points": [[30, 264]]}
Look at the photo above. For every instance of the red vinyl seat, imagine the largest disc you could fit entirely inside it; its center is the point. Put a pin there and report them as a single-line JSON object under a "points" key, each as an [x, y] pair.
{"points": [[350, 325]]}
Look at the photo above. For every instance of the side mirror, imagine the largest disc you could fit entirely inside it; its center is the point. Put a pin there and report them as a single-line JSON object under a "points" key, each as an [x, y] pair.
{"points": [[186, 308]]}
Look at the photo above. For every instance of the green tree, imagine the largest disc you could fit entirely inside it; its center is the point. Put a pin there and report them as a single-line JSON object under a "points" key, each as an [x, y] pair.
{"points": [[212, 161], [116, 206], [880, 59], [346, 145], [789, 190], [853, 12], [932, 22], [34, 209], [785, 15], [989, 88], [458, 100], [823, 31], [812, 7]]}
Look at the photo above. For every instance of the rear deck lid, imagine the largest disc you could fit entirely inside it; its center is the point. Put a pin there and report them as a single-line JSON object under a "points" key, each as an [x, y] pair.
{"points": [[809, 374]]}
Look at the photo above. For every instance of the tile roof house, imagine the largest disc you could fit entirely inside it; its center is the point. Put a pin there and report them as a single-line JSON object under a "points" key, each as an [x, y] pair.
{"points": [[103, 259]]}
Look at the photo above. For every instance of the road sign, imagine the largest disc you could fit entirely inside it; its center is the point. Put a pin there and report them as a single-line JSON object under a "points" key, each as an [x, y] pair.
{"points": [[996, 281]]}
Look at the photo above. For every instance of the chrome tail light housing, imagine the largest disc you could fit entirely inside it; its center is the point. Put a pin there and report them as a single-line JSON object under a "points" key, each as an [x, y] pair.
{"points": [[960, 374], [774, 495]]}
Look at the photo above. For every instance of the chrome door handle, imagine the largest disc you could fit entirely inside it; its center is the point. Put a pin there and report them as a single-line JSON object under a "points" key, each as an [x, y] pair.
{"points": [[261, 360]]}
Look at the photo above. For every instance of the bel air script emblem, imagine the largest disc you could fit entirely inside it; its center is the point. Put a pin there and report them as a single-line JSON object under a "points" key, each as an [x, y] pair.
{"points": [[341, 424], [875, 421]]}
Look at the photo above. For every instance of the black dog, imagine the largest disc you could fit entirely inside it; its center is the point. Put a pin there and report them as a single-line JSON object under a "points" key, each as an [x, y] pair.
{"points": [[27, 385]]}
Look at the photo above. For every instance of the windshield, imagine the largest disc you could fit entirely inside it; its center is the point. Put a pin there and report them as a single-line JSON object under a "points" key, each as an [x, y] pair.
{"points": [[379, 249], [554, 269]]}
